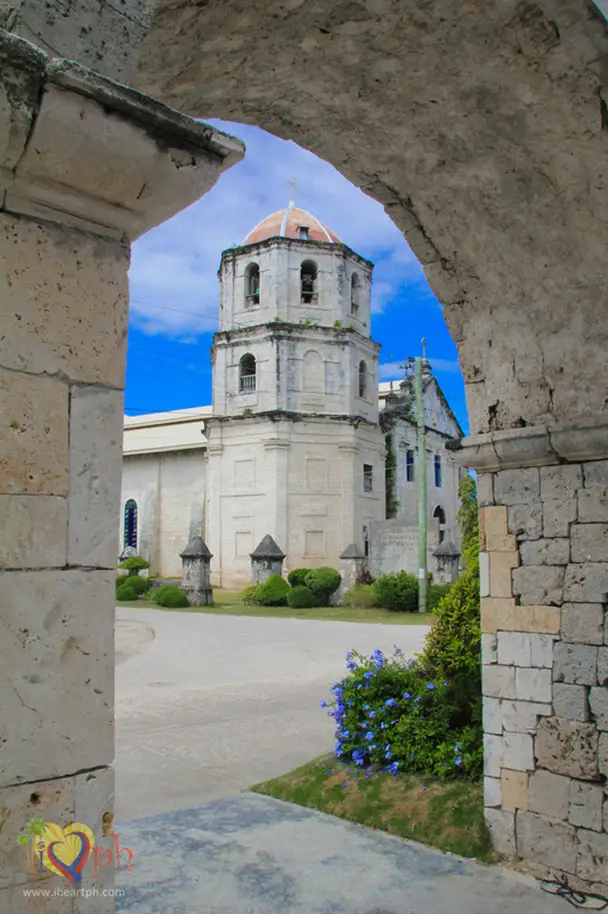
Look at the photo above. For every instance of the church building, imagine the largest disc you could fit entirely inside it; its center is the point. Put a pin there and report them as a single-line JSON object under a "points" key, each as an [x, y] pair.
{"points": [[301, 442]]}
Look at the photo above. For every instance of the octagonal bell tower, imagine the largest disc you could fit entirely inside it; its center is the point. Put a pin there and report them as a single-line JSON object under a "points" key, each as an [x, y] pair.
{"points": [[294, 439]]}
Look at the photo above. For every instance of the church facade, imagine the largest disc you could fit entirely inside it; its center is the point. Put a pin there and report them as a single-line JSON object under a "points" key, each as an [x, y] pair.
{"points": [[301, 441]]}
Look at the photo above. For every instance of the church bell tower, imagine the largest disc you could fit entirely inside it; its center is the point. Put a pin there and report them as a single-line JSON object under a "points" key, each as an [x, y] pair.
{"points": [[294, 444]]}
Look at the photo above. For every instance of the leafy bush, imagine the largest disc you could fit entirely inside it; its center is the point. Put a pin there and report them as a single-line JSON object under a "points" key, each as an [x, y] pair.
{"points": [[398, 592], [391, 716], [134, 583], [436, 593], [134, 564], [322, 582], [125, 594], [452, 647], [273, 592], [365, 577], [361, 595], [297, 577], [170, 596], [251, 594], [300, 597]]}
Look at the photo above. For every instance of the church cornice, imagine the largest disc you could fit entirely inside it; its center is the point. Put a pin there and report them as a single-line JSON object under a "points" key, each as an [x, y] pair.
{"points": [[277, 241], [280, 415], [288, 330]]}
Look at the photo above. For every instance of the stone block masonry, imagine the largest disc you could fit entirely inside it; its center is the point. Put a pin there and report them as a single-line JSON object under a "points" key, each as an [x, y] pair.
{"points": [[85, 167], [543, 532]]}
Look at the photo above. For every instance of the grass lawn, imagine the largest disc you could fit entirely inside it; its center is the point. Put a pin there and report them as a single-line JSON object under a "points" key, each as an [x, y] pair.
{"points": [[227, 603], [448, 816]]}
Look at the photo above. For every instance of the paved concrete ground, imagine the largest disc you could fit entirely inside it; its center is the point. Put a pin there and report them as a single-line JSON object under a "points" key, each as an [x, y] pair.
{"points": [[255, 855], [208, 705]]}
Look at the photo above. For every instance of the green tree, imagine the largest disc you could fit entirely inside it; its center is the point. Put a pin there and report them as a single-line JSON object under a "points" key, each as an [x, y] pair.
{"points": [[469, 520]]}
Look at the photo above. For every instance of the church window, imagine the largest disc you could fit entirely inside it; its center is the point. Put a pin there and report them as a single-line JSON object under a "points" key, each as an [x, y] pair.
{"points": [[409, 466], [130, 525], [437, 468], [439, 515], [252, 285], [247, 373], [367, 477], [355, 288], [365, 541], [303, 233], [308, 283], [362, 379]]}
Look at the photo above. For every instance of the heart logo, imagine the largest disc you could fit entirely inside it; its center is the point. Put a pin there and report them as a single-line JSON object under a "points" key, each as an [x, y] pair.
{"points": [[66, 850]]}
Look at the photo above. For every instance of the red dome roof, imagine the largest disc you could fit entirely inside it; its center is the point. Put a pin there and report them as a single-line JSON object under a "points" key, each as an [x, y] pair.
{"points": [[292, 223]]}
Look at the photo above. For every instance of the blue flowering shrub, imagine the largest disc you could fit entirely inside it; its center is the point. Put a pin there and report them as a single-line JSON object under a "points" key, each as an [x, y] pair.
{"points": [[390, 717]]}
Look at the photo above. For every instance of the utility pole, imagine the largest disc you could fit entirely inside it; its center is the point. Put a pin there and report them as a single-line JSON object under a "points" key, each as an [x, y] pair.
{"points": [[422, 559]]}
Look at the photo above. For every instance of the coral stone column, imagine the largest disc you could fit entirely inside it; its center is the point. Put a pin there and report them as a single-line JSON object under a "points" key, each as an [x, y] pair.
{"points": [[543, 496], [85, 166]]}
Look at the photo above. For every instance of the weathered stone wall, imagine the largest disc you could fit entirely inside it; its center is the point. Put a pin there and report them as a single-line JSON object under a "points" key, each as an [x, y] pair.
{"points": [[66, 218], [544, 542]]}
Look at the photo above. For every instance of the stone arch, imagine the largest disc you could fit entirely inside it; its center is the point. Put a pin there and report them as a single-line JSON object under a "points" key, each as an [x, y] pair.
{"points": [[130, 524], [439, 516], [362, 379], [313, 372], [355, 293]]}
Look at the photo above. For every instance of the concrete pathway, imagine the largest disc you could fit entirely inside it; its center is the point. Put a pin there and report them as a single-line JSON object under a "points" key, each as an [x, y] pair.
{"points": [[255, 855], [208, 705]]}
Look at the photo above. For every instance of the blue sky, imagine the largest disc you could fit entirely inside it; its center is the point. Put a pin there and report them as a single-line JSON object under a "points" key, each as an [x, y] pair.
{"points": [[175, 292]]}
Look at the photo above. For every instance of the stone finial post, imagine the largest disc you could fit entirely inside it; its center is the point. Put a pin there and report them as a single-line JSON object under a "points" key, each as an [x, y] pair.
{"points": [[352, 563], [447, 561], [267, 559], [196, 572]]}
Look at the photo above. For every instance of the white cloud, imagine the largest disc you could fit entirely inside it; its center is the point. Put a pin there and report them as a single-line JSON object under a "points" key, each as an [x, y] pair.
{"points": [[174, 287], [393, 371]]}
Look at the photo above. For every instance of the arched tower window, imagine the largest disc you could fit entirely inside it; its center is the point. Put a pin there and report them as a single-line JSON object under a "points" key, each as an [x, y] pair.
{"points": [[355, 293], [308, 283], [362, 378], [129, 537], [247, 373], [252, 285], [439, 515]]}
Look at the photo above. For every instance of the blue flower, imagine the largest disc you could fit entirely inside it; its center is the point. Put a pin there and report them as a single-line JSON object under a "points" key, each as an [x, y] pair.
{"points": [[346, 734], [431, 686], [369, 736], [349, 654], [366, 707], [323, 704], [393, 767], [390, 703], [372, 714], [457, 746], [406, 695], [458, 761]]}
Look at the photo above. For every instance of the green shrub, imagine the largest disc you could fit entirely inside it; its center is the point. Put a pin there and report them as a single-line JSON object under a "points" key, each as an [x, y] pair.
{"points": [[273, 592], [170, 596], [134, 564], [125, 594], [361, 595], [297, 577], [436, 593], [322, 582], [398, 592], [300, 597], [452, 647], [134, 583], [251, 595]]}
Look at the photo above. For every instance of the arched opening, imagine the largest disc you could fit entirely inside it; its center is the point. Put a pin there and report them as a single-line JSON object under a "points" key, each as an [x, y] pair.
{"points": [[355, 291], [308, 283], [247, 373], [362, 379], [252, 285], [129, 537], [439, 516]]}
